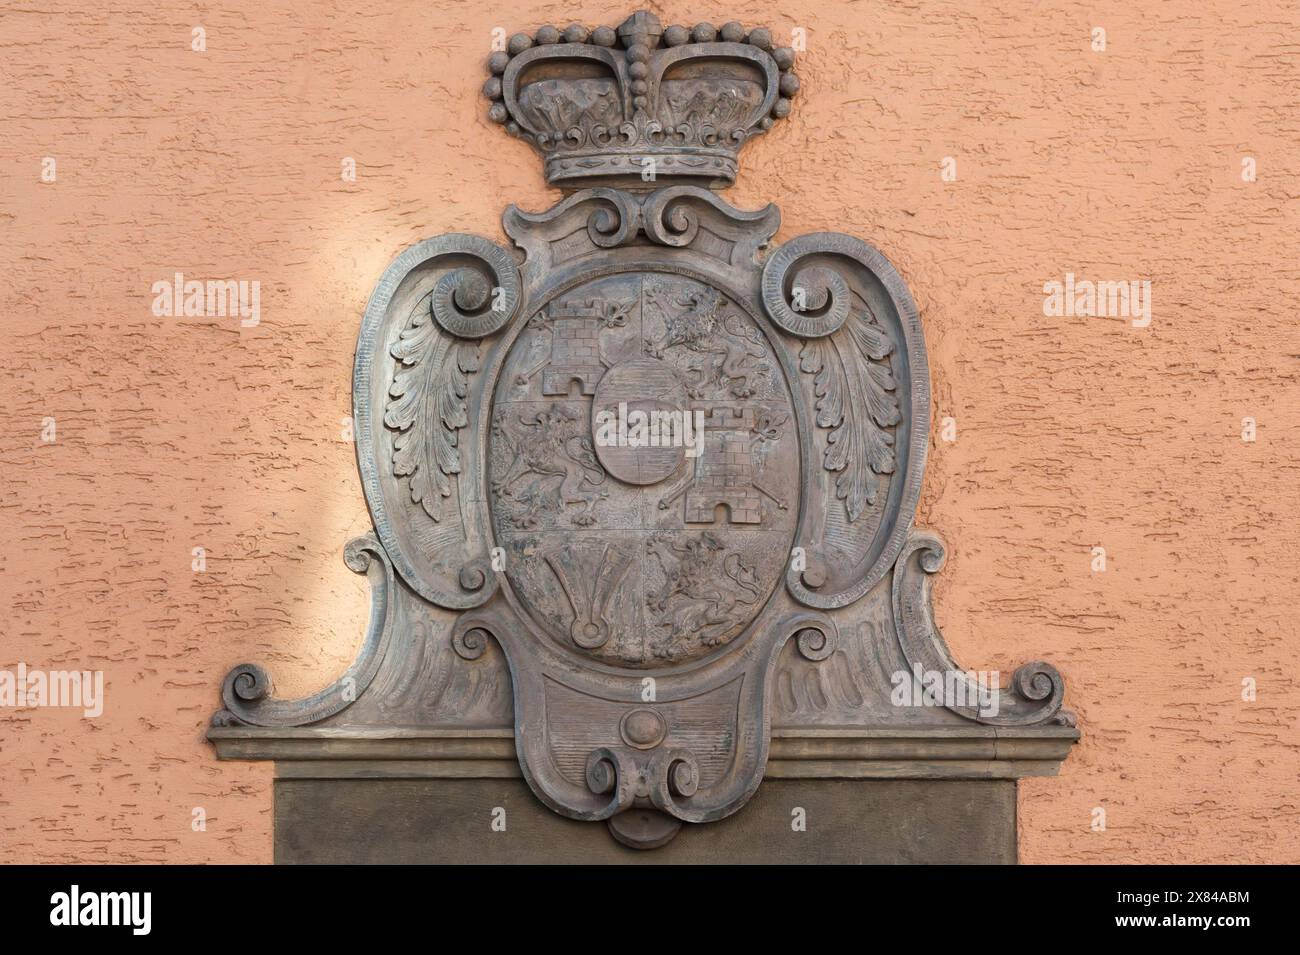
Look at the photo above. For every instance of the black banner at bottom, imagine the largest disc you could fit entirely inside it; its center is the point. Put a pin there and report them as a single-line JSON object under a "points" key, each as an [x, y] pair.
{"points": [[352, 905]]}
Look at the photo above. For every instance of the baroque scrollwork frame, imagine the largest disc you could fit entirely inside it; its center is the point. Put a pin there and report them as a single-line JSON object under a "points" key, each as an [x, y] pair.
{"points": [[644, 620]]}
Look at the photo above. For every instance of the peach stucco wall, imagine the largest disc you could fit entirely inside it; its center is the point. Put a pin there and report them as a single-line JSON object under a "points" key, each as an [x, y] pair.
{"points": [[1072, 433]]}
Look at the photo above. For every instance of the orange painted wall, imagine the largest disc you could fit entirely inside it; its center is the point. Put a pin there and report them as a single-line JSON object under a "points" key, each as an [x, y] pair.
{"points": [[1071, 432]]}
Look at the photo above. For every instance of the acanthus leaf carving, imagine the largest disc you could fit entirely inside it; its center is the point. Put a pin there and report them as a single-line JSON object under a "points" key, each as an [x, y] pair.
{"points": [[427, 408], [419, 349], [860, 344], [857, 404]]}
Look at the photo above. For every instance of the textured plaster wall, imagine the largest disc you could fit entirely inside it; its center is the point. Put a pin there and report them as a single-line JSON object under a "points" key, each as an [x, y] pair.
{"points": [[1071, 432]]}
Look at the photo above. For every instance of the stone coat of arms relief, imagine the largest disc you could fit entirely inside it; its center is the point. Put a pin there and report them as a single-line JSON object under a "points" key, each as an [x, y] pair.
{"points": [[642, 485]]}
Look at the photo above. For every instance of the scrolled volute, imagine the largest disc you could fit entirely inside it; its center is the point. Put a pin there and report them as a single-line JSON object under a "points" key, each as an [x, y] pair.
{"points": [[1036, 691], [806, 300], [477, 300], [246, 692]]}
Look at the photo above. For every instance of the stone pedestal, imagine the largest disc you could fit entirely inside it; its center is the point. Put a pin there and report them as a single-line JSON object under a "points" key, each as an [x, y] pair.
{"points": [[829, 796]]}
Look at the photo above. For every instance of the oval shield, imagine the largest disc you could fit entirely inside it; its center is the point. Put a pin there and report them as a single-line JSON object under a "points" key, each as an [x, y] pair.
{"points": [[640, 461]]}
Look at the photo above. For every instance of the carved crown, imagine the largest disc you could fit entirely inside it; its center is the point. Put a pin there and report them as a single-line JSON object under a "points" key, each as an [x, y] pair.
{"points": [[640, 106]]}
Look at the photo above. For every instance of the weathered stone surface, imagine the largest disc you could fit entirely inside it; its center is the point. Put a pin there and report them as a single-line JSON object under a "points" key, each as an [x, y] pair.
{"points": [[655, 461], [406, 821], [176, 433]]}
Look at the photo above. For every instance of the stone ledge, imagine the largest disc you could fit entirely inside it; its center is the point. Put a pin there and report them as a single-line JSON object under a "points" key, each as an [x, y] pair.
{"points": [[974, 752]]}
